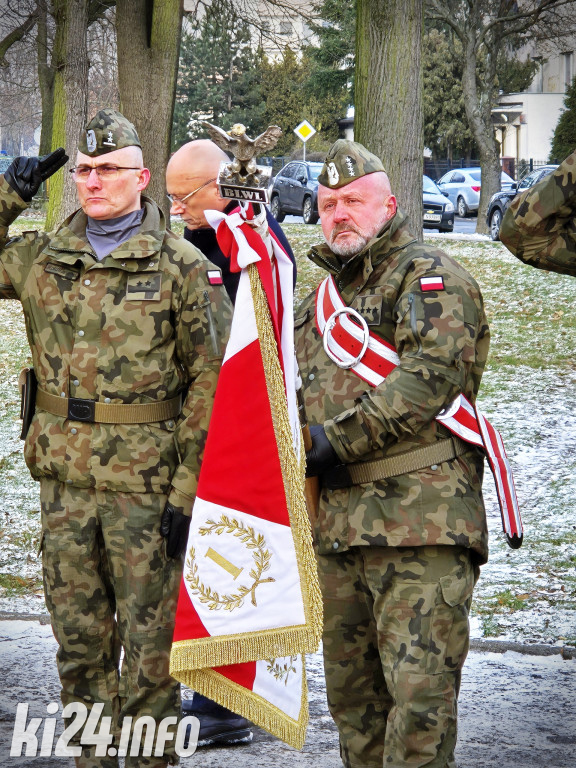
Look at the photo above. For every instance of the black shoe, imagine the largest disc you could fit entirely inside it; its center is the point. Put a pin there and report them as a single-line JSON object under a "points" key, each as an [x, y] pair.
{"points": [[218, 725]]}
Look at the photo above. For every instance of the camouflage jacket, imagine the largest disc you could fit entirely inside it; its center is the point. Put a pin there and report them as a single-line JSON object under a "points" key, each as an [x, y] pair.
{"points": [[140, 326], [540, 225], [442, 340]]}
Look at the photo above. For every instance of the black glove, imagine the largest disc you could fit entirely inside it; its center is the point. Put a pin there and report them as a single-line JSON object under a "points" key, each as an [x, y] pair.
{"points": [[25, 174], [174, 526], [321, 456]]}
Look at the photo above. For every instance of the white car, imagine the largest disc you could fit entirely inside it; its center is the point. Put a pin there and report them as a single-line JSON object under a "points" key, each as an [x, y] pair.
{"points": [[462, 187]]}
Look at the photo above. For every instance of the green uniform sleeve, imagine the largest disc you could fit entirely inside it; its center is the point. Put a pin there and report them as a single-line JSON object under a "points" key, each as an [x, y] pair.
{"points": [[436, 338], [14, 254], [202, 325], [540, 225]]}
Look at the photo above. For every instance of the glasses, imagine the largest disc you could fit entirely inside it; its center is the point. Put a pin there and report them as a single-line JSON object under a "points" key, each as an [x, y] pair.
{"points": [[181, 200], [104, 172]]}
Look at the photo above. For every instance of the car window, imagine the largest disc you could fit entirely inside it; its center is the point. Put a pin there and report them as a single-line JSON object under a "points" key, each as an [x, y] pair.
{"points": [[301, 171], [315, 170], [429, 186], [288, 171], [445, 179], [476, 175]]}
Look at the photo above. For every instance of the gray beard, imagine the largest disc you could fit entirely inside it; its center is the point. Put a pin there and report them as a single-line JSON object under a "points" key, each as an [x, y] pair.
{"points": [[351, 248]]}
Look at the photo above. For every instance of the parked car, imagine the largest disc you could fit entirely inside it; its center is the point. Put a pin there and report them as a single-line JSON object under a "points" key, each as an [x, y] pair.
{"points": [[295, 190], [501, 200], [438, 211], [462, 186]]}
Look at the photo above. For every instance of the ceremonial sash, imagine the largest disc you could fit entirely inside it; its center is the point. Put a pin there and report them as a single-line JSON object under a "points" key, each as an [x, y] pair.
{"points": [[249, 604], [372, 359]]}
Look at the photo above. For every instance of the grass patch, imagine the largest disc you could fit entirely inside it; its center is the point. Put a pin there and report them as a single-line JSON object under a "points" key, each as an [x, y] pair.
{"points": [[18, 586]]}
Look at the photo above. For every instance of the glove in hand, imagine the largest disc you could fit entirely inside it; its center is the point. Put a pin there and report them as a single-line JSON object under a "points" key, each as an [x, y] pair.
{"points": [[321, 456], [174, 525], [25, 174]]}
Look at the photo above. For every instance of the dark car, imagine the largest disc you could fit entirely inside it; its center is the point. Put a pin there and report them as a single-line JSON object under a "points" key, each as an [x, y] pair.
{"points": [[501, 200], [438, 210], [295, 190]]}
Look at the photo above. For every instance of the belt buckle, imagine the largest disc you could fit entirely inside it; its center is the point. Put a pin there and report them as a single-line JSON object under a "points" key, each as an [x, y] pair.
{"points": [[81, 410], [331, 322]]}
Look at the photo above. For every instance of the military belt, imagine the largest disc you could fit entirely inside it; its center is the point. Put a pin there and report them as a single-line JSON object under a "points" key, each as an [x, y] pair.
{"points": [[93, 411], [401, 464]]}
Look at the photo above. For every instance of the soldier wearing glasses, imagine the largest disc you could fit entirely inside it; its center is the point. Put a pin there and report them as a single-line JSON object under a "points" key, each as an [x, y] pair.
{"points": [[126, 332]]}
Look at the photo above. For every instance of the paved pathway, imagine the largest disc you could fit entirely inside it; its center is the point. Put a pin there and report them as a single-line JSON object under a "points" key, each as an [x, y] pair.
{"points": [[516, 710]]}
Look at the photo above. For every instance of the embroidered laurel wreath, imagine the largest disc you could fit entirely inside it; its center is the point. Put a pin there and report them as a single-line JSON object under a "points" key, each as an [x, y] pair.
{"points": [[260, 556]]}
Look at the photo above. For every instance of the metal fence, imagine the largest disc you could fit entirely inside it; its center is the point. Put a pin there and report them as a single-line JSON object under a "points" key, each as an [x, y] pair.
{"points": [[517, 170]]}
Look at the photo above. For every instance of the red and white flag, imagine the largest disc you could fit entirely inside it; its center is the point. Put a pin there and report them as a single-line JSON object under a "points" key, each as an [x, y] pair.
{"points": [[249, 603]]}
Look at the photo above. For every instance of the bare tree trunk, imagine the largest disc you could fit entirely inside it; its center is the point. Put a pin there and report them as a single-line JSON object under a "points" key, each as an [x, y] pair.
{"points": [[478, 101], [45, 79], [388, 95], [70, 62], [148, 35]]}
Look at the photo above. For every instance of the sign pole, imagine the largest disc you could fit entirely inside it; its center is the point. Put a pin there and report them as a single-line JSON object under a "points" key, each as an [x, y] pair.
{"points": [[304, 131]]}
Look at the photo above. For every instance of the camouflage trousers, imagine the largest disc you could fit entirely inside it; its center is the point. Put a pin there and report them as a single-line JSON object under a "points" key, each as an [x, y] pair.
{"points": [[396, 634], [111, 593]]}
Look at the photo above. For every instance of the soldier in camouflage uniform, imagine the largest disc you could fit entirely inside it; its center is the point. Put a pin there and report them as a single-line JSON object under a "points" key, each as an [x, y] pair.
{"points": [[126, 334], [398, 555], [540, 225]]}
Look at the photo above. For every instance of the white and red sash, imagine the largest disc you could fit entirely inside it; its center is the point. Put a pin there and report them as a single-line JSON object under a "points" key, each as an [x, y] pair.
{"points": [[344, 342]]}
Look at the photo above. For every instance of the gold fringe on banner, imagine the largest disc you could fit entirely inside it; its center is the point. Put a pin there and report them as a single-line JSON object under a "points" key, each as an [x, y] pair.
{"points": [[251, 706]]}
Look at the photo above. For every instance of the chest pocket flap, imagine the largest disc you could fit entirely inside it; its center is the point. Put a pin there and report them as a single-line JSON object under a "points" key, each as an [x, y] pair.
{"points": [[370, 307]]}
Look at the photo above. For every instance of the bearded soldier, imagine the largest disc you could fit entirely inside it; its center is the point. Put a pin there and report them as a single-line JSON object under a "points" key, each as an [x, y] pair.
{"points": [[126, 334], [540, 225], [401, 527]]}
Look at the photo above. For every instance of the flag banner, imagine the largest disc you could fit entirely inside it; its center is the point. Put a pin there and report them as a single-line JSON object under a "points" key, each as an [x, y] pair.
{"points": [[250, 604], [371, 358]]}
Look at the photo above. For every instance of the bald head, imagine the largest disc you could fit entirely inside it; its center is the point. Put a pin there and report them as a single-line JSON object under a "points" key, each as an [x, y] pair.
{"points": [[195, 167]]}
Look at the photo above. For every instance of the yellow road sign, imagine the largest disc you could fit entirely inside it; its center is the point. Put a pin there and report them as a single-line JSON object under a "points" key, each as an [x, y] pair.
{"points": [[304, 131]]}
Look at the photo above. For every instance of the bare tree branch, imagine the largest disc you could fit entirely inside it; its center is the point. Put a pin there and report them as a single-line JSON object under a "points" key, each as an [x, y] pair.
{"points": [[16, 35]]}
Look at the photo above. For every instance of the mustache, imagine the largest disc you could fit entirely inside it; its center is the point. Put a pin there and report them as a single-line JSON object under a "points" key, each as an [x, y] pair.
{"points": [[338, 228]]}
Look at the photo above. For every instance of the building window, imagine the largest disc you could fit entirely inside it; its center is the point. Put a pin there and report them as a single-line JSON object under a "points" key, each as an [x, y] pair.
{"points": [[568, 69], [285, 28], [539, 78]]}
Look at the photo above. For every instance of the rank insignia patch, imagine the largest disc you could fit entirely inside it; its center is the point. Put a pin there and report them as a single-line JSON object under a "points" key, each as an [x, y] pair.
{"points": [[214, 277], [435, 283], [144, 287]]}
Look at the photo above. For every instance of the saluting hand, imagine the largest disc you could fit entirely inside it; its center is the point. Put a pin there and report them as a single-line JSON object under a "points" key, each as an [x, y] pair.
{"points": [[25, 174]]}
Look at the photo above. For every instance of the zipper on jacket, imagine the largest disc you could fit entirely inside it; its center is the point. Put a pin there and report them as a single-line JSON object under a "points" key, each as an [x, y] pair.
{"points": [[415, 333], [212, 327]]}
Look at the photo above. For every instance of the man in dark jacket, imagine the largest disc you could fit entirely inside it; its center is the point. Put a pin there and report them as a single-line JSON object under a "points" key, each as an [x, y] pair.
{"points": [[191, 183]]}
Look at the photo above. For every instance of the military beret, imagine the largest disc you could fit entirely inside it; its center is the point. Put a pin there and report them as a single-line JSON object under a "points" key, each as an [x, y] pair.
{"points": [[106, 132], [347, 161]]}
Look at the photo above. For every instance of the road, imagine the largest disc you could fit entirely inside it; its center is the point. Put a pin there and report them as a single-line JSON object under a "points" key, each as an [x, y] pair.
{"points": [[516, 709]]}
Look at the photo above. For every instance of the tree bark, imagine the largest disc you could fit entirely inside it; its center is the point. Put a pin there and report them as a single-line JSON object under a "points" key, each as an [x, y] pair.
{"points": [[388, 95], [148, 39], [45, 80], [70, 62]]}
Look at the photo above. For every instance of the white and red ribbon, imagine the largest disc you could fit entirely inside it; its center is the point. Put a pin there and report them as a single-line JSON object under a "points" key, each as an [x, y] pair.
{"points": [[345, 343]]}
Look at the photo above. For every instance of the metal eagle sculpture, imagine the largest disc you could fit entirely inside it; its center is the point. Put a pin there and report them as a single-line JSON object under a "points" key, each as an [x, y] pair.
{"points": [[238, 143]]}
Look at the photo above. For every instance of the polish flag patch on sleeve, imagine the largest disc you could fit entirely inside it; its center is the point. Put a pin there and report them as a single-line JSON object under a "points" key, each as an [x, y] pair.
{"points": [[215, 277], [435, 283]]}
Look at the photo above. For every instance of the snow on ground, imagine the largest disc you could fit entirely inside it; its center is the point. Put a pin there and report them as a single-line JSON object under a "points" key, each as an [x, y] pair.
{"points": [[528, 391]]}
